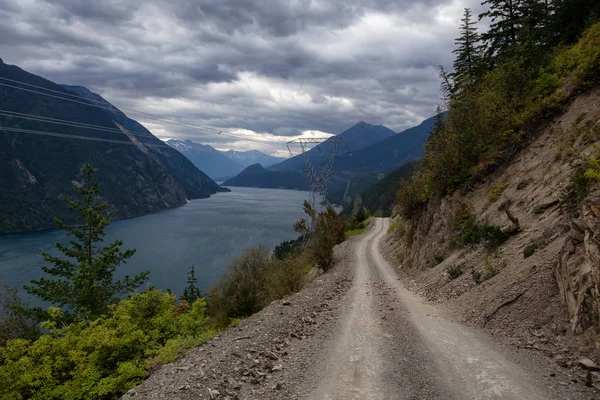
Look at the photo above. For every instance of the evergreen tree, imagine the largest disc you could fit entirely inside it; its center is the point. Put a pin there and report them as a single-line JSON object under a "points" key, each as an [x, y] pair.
{"points": [[191, 293], [83, 282], [569, 18], [447, 86], [468, 59], [505, 18]]}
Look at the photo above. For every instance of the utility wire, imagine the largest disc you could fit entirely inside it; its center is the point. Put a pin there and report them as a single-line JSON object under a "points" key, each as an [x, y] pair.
{"points": [[79, 137], [57, 121], [106, 106]]}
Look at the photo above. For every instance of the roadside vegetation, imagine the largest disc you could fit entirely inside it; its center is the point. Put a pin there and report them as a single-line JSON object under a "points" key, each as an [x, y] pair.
{"points": [[103, 336]]}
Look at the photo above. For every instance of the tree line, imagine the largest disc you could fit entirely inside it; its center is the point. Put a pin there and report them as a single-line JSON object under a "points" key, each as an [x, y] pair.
{"points": [[505, 84]]}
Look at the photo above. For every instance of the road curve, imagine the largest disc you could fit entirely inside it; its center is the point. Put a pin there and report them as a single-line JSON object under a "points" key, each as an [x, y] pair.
{"points": [[389, 344]]}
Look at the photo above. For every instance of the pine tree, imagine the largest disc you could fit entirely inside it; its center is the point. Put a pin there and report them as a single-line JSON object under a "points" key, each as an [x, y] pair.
{"points": [[447, 86], [569, 18], [502, 37], [191, 293], [467, 64], [83, 282]]}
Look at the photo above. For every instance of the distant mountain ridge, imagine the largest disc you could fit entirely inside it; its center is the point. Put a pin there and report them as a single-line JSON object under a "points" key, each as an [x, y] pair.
{"points": [[208, 159], [137, 172], [375, 149], [220, 164], [250, 157]]}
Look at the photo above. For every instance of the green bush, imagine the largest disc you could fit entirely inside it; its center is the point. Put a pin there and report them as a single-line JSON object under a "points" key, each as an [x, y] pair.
{"points": [[529, 250], [473, 232], [254, 280], [492, 235], [104, 358]]}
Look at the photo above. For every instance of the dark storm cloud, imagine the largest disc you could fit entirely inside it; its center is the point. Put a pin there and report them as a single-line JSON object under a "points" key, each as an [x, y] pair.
{"points": [[272, 67]]}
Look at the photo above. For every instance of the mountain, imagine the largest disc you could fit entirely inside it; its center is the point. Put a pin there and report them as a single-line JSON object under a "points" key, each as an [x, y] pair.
{"points": [[375, 150], [137, 172], [209, 160], [355, 138], [247, 158], [257, 176]]}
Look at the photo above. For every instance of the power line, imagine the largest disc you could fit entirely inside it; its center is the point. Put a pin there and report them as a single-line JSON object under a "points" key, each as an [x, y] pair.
{"points": [[106, 106], [75, 124], [78, 137]]}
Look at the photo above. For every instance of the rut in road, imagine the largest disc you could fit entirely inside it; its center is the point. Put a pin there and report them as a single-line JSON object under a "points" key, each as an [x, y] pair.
{"points": [[390, 345]]}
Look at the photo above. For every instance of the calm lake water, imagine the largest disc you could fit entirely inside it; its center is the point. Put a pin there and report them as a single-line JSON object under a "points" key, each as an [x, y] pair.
{"points": [[207, 233]]}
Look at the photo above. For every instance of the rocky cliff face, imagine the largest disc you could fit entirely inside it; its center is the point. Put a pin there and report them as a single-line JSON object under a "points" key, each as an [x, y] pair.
{"points": [[541, 286]]}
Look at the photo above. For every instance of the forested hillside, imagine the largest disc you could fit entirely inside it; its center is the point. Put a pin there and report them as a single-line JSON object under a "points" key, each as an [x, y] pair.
{"points": [[140, 173]]}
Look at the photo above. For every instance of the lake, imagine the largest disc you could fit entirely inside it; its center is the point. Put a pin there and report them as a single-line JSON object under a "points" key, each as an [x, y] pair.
{"points": [[207, 233]]}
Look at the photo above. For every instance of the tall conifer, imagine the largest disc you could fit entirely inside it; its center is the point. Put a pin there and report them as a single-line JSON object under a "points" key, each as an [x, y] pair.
{"points": [[83, 282]]}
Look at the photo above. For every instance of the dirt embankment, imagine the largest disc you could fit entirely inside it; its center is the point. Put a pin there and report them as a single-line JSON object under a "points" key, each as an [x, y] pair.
{"points": [[548, 301]]}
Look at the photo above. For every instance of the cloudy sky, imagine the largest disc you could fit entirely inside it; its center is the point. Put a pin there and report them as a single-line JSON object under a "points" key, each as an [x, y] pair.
{"points": [[268, 70]]}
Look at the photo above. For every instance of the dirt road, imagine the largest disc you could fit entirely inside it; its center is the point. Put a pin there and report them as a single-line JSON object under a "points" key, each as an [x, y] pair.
{"points": [[357, 333], [390, 345]]}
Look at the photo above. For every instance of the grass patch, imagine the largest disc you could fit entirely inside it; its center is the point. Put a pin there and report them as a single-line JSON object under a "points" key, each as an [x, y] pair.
{"points": [[489, 271], [354, 232], [538, 209]]}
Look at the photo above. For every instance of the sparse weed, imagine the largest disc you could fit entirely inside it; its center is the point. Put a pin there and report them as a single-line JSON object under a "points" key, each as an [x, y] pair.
{"points": [[438, 258], [454, 271], [489, 271]]}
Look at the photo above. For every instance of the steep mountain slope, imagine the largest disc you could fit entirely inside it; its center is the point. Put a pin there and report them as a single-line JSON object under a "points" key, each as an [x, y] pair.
{"points": [[208, 159], [251, 157], [375, 150], [137, 172]]}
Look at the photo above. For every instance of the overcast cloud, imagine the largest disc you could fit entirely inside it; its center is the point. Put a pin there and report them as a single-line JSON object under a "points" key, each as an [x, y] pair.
{"points": [[267, 69]]}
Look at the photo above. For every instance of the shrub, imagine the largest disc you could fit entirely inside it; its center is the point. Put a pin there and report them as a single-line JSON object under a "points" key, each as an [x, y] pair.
{"points": [[104, 358], [329, 231], [438, 258], [288, 248], [14, 322], [454, 271], [495, 193], [584, 177], [410, 197], [254, 280], [477, 233], [240, 290], [529, 250]]}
